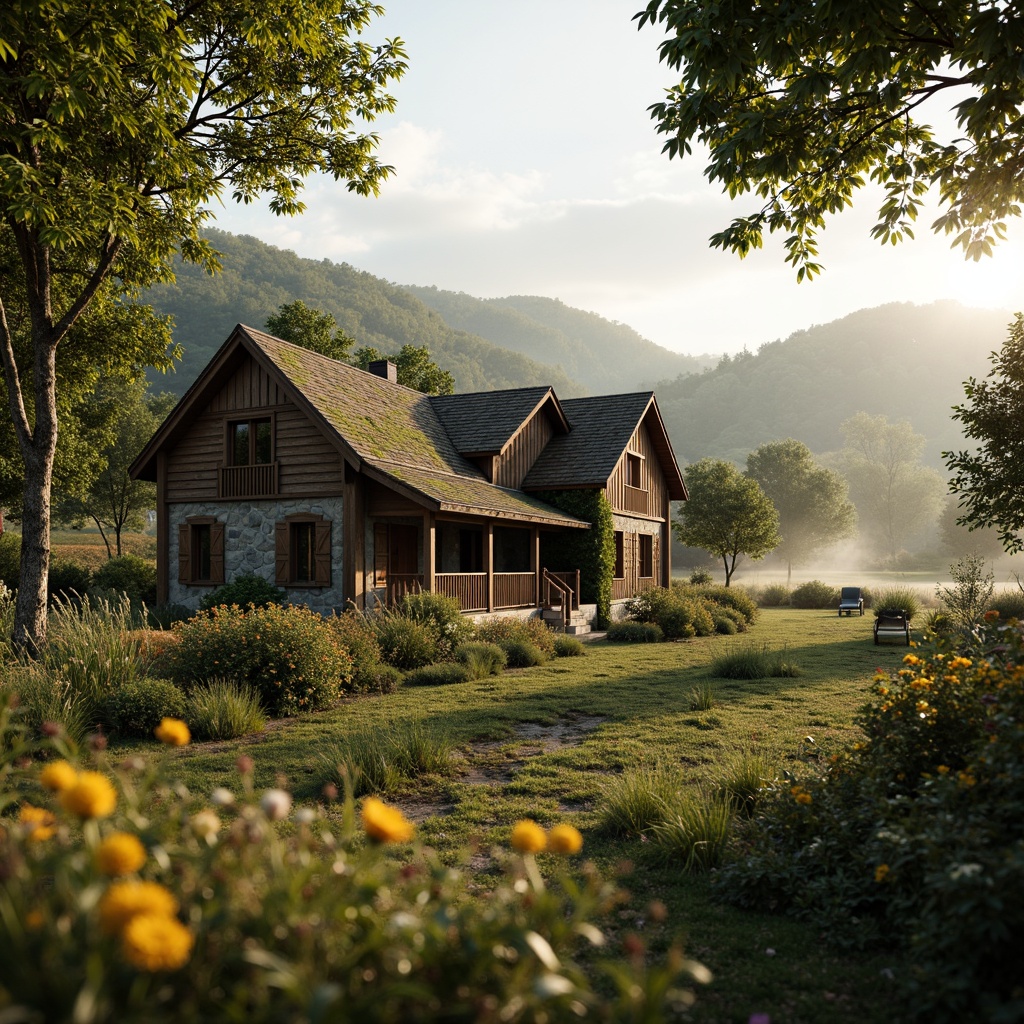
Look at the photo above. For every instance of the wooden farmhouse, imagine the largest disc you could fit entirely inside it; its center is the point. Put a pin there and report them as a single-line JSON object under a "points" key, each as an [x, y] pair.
{"points": [[342, 486]]}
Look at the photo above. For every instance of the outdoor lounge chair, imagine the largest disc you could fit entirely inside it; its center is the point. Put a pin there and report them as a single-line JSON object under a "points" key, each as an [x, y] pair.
{"points": [[850, 601], [892, 623]]}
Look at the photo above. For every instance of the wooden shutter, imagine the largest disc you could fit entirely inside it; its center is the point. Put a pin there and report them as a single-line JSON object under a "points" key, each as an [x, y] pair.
{"points": [[184, 557], [322, 553], [216, 552], [282, 554], [656, 559]]}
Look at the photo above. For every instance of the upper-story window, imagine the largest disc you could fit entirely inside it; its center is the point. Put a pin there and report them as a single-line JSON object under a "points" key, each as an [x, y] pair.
{"points": [[634, 467], [251, 442]]}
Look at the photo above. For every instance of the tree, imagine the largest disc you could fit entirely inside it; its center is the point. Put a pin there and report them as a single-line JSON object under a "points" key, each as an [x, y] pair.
{"points": [[812, 503], [895, 495], [114, 501], [727, 514], [957, 540], [990, 480], [804, 101], [119, 124], [311, 328], [415, 369]]}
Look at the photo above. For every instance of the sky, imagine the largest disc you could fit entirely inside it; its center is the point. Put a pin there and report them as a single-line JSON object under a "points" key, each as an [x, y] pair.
{"points": [[526, 163]]}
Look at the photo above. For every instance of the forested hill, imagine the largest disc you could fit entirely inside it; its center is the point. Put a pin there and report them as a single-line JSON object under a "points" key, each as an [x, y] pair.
{"points": [[901, 360], [603, 355], [258, 278]]}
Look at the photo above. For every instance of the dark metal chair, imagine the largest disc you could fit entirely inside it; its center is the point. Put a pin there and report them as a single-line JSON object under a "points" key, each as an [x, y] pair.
{"points": [[850, 601]]}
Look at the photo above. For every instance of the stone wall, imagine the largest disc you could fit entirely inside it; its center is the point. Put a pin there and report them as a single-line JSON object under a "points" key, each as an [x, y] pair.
{"points": [[249, 546]]}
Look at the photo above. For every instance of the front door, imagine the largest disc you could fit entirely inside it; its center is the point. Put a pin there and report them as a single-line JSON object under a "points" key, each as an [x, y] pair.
{"points": [[404, 550]]}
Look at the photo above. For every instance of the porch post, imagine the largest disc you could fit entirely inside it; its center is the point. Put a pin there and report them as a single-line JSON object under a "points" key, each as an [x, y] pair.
{"points": [[489, 564], [429, 551], [535, 564], [163, 581]]}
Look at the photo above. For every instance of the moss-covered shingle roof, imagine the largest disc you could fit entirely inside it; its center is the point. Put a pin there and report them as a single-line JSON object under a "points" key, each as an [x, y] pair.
{"points": [[484, 421]]}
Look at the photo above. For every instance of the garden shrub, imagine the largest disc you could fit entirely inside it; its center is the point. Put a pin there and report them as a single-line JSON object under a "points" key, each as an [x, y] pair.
{"points": [[245, 590], [569, 646], [916, 834], [897, 598], [814, 594], [288, 654], [441, 674], [693, 832], [136, 708], [724, 625], [773, 595], [239, 910], [163, 616], [533, 631], [736, 599], [481, 659], [129, 575], [523, 654], [635, 633], [220, 709], [679, 611], [369, 673], [67, 580], [403, 642], [701, 578], [443, 617], [43, 697], [1009, 604], [739, 620], [10, 559], [968, 598], [7, 607]]}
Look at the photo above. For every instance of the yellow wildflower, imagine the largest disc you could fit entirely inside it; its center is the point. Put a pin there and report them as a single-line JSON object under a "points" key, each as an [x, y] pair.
{"points": [[125, 900], [565, 839], [966, 779], [911, 659], [58, 776], [528, 837], [943, 769], [39, 822], [961, 663], [92, 796], [880, 872], [153, 942], [120, 854], [801, 795], [34, 920], [385, 824], [172, 731]]}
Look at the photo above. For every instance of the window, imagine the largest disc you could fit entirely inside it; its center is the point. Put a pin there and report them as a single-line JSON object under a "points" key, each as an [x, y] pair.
{"points": [[620, 562], [645, 551], [302, 555], [201, 551], [251, 442], [634, 466]]}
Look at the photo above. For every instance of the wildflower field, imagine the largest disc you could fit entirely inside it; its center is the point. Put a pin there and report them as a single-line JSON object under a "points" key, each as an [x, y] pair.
{"points": [[628, 833]]}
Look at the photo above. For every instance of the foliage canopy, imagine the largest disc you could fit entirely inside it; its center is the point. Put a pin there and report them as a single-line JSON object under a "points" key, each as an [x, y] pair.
{"points": [[991, 479], [804, 101], [727, 514]]}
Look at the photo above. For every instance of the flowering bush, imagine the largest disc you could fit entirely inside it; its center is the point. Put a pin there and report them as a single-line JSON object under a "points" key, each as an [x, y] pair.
{"points": [[288, 655], [917, 833], [148, 903]]}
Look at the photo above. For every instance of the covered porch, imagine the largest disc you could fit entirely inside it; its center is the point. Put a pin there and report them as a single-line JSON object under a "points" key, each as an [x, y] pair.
{"points": [[485, 566]]}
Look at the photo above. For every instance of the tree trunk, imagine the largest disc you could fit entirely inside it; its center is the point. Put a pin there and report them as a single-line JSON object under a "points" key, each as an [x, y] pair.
{"points": [[37, 453]]}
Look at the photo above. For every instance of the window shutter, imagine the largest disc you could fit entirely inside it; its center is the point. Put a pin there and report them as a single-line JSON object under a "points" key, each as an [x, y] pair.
{"points": [[656, 558], [216, 552], [184, 559], [322, 553], [281, 553]]}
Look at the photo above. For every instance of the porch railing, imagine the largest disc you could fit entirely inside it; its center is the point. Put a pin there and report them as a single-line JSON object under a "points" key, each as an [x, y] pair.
{"points": [[469, 588], [569, 580], [400, 585], [624, 588], [515, 590], [256, 481]]}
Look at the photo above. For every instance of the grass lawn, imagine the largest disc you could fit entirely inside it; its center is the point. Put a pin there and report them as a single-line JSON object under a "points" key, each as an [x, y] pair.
{"points": [[540, 742]]}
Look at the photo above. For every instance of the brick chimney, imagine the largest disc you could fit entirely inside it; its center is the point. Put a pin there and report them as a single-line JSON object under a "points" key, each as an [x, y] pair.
{"points": [[384, 368]]}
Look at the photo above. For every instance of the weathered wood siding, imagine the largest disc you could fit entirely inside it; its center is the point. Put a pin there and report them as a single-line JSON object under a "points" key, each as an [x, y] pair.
{"points": [[523, 452], [631, 582], [310, 465], [624, 498]]}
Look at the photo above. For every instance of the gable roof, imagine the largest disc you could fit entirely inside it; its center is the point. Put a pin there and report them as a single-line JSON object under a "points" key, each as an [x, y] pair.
{"points": [[484, 422], [389, 430], [602, 427]]}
